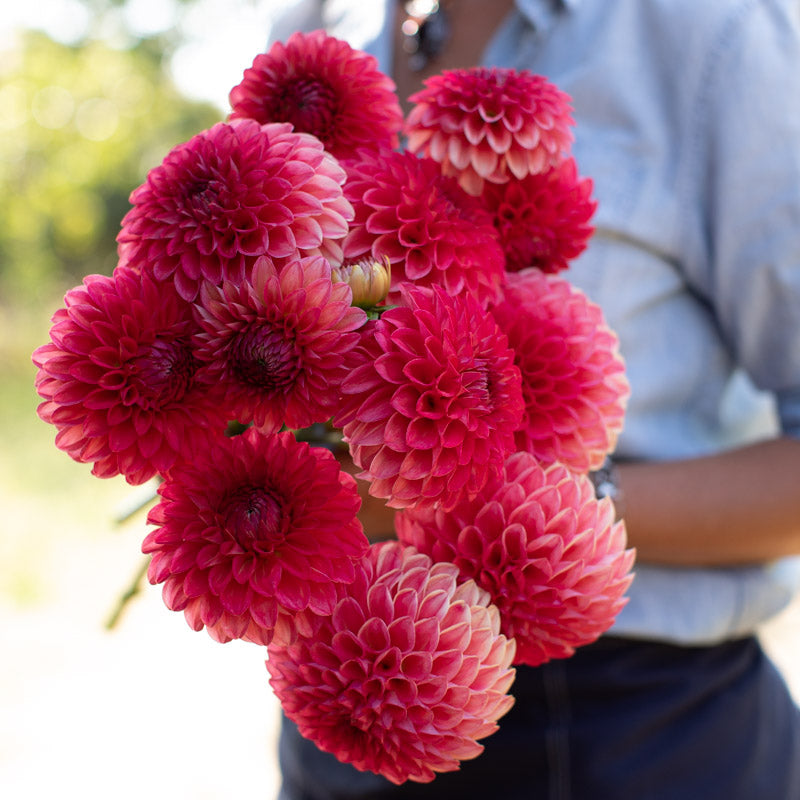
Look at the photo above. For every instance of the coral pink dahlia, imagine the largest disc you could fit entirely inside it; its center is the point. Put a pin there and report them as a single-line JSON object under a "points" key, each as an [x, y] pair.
{"points": [[230, 194], [405, 676], [433, 400], [429, 228], [322, 86], [120, 380], [278, 344], [548, 553], [573, 377], [258, 529], [485, 124], [543, 219]]}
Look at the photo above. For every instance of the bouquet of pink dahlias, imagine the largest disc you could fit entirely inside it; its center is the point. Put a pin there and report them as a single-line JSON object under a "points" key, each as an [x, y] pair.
{"points": [[298, 299]]}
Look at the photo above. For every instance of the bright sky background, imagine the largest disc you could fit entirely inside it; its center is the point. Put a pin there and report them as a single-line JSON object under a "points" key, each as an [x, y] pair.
{"points": [[222, 36]]}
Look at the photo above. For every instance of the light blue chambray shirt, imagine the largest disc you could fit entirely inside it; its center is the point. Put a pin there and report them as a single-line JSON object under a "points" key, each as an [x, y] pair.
{"points": [[688, 121]]}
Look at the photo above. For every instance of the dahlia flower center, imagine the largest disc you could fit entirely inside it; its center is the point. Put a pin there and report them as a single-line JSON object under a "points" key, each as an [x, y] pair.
{"points": [[481, 387], [264, 356], [160, 373], [202, 200], [254, 517], [309, 104], [446, 201]]}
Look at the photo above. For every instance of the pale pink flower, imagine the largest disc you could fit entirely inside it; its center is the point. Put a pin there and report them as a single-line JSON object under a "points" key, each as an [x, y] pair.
{"points": [[488, 124], [545, 549], [405, 676]]}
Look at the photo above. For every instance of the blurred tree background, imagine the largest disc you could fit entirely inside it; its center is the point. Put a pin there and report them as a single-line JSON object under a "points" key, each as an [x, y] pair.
{"points": [[82, 124], [89, 106]]}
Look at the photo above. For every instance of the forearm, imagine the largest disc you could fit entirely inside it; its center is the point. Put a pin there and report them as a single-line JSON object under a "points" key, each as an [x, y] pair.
{"points": [[737, 507]]}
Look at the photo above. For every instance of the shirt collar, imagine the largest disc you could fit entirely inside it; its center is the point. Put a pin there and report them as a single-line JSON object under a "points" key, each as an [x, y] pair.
{"points": [[534, 9]]}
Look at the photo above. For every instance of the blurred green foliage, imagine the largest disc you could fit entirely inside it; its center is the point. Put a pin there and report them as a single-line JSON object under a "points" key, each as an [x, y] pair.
{"points": [[80, 128]]}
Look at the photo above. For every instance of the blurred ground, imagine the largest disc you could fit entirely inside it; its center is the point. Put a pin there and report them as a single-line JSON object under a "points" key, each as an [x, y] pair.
{"points": [[149, 710]]}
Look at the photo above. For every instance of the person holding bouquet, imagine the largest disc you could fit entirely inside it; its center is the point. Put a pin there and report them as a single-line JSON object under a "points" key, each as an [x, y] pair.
{"points": [[688, 124], [549, 314]]}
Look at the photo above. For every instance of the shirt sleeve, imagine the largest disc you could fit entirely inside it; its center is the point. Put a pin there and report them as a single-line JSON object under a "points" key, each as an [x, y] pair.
{"points": [[746, 156]]}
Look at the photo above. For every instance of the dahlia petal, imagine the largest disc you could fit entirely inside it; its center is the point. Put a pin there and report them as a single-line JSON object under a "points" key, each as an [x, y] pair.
{"points": [[386, 463], [416, 465], [375, 407], [294, 593], [422, 433], [401, 634], [174, 597], [471, 181], [485, 161], [195, 581], [499, 139]]}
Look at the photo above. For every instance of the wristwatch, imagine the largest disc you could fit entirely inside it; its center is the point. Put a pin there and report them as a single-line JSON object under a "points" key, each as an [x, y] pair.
{"points": [[606, 484]]}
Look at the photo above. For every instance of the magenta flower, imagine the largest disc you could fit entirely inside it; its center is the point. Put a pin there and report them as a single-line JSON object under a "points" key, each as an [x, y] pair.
{"points": [[405, 676], [230, 194], [573, 378], [120, 380], [548, 553], [322, 86], [429, 228], [433, 400], [279, 345], [485, 124], [543, 219], [254, 536]]}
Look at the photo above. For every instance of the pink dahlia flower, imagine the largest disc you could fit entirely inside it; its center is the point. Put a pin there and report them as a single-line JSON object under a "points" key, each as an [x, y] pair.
{"points": [[432, 403], [405, 676], [322, 86], [254, 536], [485, 124], [278, 345], [542, 219], [548, 553], [429, 228], [230, 194], [120, 380], [573, 377]]}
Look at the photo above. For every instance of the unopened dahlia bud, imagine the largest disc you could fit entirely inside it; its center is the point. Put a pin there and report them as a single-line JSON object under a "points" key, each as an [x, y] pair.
{"points": [[368, 278]]}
